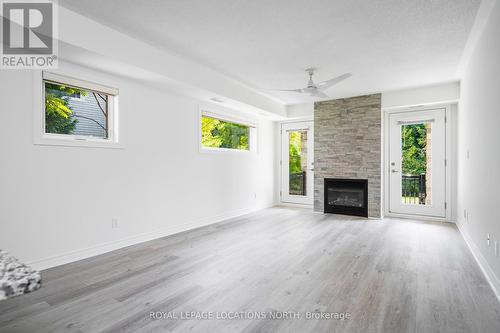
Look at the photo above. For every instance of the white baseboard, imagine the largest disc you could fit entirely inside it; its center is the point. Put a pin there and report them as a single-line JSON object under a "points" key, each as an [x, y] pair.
{"points": [[418, 217], [483, 264], [68, 257], [295, 205]]}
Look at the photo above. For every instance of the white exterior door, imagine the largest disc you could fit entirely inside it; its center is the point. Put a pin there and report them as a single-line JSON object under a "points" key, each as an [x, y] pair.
{"points": [[297, 163], [417, 163]]}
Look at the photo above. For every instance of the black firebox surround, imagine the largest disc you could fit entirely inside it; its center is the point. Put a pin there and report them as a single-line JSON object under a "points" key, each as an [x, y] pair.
{"points": [[346, 210]]}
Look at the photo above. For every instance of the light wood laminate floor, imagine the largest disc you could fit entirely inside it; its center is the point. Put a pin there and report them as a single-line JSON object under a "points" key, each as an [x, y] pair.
{"points": [[390, 275]]}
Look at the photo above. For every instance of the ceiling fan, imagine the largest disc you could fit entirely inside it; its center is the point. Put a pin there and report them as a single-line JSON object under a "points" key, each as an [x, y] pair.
{"points": [[317, 90]]}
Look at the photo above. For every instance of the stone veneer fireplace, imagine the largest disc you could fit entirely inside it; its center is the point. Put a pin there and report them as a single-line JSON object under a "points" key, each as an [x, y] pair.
{"points": [[347, 145]]}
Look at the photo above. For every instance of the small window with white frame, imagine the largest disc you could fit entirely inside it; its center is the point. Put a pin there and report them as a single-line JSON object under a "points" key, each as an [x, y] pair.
{"points": [[77, 111], [219, 132]]}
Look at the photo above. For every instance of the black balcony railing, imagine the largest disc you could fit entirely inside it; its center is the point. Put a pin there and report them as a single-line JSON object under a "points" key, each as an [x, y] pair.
{"points": [[297, 183], [413, 189]]}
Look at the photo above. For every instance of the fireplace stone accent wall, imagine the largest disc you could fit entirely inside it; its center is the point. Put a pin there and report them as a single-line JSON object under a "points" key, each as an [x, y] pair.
{"points": [[347, 144]]}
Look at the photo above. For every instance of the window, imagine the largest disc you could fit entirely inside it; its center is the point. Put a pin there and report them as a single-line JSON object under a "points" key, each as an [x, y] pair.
{"points": [[76, 110], [221, 133]]}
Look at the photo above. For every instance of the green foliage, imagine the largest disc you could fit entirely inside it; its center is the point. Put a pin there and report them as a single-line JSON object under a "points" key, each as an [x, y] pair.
{"points": [[296, 178], [57, 112], [294, 153], [414, 141], [216, 133]]}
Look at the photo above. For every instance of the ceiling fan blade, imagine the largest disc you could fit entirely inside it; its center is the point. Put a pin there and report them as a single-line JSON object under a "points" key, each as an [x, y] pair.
{"points": [[290, 90], [320, 94], [327, 84]]}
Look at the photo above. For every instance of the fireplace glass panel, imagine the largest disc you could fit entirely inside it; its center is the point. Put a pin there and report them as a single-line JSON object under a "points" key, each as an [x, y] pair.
{"points": [[349, 197], [346, 196]]}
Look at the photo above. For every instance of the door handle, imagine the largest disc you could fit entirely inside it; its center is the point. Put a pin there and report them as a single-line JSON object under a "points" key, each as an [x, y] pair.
{"points": [[394, 171]]}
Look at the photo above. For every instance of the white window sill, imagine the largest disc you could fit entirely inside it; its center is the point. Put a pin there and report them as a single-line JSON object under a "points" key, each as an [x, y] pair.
{"points": [[74, 142], [224, 151]]}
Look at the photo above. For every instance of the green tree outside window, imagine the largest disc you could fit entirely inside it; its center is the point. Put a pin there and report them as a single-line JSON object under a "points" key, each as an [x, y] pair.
{"points": [[216, 133], [58, 118]]}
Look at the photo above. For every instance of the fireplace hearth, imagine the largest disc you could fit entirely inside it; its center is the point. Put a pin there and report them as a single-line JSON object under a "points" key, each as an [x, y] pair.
{"points": [[346, 196]]}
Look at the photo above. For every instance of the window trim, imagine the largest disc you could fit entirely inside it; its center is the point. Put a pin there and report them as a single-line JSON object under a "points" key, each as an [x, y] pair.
{"points": [[224, 116], [53, 139]]}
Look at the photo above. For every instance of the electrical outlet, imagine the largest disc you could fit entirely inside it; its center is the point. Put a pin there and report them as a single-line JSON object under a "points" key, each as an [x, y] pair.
{"points": [[488, 239], [114, 223]]}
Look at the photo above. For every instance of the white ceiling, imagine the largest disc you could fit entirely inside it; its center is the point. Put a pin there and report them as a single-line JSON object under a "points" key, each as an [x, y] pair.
{"points": [[386, 45]]}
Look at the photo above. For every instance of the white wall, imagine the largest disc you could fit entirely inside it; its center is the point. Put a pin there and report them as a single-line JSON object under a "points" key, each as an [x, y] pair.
{"points": [[441, 93], [435, 94], [298, 111], [478, 148], [57, 203]]}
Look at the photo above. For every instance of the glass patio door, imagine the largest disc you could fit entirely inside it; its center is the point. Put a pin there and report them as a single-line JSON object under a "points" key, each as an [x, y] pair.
{"points": [[297, 163], [417, 170]]}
